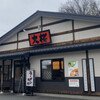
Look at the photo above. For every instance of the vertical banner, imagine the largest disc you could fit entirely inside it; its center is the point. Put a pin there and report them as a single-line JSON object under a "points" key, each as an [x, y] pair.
{"points": [[73, 69], [92, 81], [29, 78], [92, 75], [85, 75]]}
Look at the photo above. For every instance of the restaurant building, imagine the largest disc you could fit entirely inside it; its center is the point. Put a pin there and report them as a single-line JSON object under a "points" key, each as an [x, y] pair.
{"points": [[62, 49]]}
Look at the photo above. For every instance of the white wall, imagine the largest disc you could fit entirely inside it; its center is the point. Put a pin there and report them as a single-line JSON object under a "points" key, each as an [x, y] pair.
{"points": [[35, 23], [82, 24], [72, 56], [8, 47], [53, 29], [50, 20], [95, 54], [62, 38], [61, 27], [87, 34], [13, 38]]}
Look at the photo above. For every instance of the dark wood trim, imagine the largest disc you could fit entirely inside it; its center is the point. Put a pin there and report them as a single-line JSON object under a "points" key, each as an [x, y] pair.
{"points": [[76, 30], [35, 27], [61, 33], [3, 74], [8, 43], [67, 92], [41, 23], [88, 72], [29, 62], [60, 92], [24, 82], [56, 22], [73, 30], [23, 40], [17, 39], [48, 24], [11, 74], [69, 31], [95, 94], [87, 28], [14, 42], [55, 44], [14, 77]]}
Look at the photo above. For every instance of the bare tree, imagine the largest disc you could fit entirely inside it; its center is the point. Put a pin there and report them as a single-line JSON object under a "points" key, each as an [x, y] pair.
{"points": [[82, 7]]}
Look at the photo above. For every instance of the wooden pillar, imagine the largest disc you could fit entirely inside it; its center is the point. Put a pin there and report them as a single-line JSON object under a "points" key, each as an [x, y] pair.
{"points": [[41, 23], [14, 76], [73, 30], [24, 87], [17, 40], [28, 62], [2, 76], [11, 75], [88, 72]]}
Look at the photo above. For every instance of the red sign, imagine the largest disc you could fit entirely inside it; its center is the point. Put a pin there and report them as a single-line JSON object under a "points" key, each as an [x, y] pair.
{"points": [[40, 38]]}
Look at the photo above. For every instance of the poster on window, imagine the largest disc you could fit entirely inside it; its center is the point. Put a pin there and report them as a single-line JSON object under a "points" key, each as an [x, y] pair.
{"points": [[29, 78], [73, 82], [73, 69]]}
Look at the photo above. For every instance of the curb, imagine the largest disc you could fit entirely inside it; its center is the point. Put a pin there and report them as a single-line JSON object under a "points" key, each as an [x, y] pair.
{"points": [[69, 96]]}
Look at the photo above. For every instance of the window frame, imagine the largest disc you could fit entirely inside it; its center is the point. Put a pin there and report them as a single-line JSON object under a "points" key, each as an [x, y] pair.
{"points": [[55, 59]]}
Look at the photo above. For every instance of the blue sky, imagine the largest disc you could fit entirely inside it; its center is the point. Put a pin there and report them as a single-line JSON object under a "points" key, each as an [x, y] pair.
{"points": [[12, 12]]}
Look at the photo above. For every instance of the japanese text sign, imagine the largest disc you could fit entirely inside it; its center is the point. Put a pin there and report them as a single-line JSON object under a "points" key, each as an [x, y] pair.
{"points": [[73, 82], [29, 78], [38, 38]]}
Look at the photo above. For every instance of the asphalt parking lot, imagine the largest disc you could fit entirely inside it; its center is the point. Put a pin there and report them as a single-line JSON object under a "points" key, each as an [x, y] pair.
{"points": [[44, 97], [19, 97]]}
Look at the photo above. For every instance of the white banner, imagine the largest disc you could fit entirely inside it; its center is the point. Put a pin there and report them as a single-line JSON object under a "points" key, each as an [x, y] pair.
{"points": [[29, 78], [73, 82], [92, 75], [85, 76]]}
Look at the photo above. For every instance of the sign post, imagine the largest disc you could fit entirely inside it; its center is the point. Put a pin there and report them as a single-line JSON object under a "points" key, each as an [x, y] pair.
{"points": [[30, 78]]}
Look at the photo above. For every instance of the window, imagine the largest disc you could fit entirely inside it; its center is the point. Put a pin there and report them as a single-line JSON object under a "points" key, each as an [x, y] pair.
{"points": [[52, 69]]}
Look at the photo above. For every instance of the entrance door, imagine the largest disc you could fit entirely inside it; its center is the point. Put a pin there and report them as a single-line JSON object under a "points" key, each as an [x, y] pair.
{"points": [[20, 67], [7, 75], [1, 78], [18, 81], [89, 82]]}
